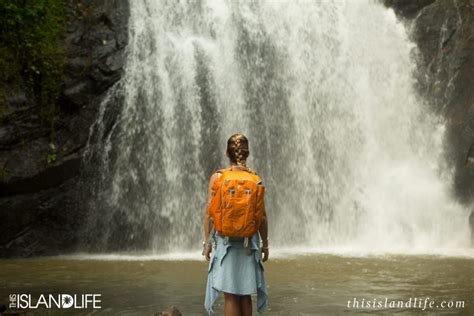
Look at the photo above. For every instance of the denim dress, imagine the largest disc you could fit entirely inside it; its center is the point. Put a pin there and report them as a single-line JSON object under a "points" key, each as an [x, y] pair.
{"points": [[234, 269]]}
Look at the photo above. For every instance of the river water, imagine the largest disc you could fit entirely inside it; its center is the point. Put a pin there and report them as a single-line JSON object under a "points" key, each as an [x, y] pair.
{"points": [[310, 284]]}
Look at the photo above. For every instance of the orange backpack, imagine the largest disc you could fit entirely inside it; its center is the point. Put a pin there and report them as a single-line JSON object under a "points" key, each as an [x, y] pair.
{"points": [[237, 203]]}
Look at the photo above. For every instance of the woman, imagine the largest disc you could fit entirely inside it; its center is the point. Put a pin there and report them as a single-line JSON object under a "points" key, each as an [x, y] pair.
{"points": [[235, 269]]}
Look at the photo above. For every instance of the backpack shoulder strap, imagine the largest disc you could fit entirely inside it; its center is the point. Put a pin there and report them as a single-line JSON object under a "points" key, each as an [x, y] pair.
{"points": [[258, 180], [223, 170], [255, 176]]}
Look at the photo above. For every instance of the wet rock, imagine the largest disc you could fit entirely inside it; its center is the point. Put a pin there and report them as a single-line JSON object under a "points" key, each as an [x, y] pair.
{"points": [[443, 32], [170, 311], [407, 8], [471, 225]]}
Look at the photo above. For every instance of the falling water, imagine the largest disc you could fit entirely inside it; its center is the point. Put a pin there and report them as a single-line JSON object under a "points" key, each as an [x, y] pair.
{"points": [[350, 155]]}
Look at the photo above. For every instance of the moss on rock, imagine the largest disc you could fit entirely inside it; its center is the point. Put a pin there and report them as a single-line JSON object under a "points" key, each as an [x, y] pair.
{"points": [[32, 54]]}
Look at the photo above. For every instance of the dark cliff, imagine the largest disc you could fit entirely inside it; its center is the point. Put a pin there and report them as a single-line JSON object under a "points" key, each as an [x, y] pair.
{"points": [[43, 134], [444, 33]]}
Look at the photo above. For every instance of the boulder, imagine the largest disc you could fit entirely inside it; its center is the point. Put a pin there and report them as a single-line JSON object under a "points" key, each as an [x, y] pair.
{"points": [[170, 311]]}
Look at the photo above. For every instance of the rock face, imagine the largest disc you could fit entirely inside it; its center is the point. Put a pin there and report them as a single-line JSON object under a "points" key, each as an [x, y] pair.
{"points": [[471, 225], [170, 311], [39, 182], [444, 33]]}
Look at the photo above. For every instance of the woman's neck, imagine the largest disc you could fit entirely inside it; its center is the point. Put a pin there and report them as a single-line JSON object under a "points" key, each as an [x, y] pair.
{"points": [[234, 165]]}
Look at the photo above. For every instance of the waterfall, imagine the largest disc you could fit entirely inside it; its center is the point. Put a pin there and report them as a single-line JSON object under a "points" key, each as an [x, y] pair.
{"points": [[349, 153]]}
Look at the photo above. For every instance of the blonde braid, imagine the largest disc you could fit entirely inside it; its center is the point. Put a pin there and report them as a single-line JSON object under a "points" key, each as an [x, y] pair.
{"points": [[238, 154], [237, 147]]}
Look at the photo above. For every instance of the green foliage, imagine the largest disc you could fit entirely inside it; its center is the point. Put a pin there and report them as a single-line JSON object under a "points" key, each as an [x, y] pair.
{"points": [[51, 158], [32, 51], [3, 173]]}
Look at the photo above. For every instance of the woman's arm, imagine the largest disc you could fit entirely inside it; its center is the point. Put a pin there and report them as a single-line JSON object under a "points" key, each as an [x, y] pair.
{"points": [[263, 230]]}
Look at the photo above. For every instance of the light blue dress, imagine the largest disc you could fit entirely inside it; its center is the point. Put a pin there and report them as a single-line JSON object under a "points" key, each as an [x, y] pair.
{"points": [[233, 270]]}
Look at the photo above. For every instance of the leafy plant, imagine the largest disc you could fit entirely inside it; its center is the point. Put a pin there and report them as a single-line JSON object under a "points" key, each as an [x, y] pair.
{"points": [[32, 52], [51, 158], [3, 172]]}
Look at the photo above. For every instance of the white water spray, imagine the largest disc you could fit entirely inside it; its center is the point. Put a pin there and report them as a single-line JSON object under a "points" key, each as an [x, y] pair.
{"points": [[351, 157]]}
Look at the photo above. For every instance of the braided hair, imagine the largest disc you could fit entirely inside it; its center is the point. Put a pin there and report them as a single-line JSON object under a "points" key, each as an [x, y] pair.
{"points": [[238, 150]]}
